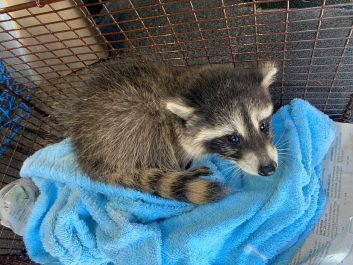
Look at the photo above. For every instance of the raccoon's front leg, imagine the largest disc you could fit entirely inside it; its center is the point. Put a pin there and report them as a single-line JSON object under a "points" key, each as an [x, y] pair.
{"points": [[185, 186]]}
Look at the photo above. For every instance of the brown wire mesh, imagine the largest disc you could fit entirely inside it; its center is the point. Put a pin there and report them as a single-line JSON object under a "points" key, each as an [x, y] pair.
{"points": [[45, 49]]}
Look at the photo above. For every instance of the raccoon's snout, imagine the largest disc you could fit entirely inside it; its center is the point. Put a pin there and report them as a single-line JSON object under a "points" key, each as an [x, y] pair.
{"points": [[260, 163], [268, 170]]}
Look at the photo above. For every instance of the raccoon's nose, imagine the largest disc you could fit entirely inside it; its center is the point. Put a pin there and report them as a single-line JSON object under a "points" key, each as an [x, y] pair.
{"points": [[268, 170]]}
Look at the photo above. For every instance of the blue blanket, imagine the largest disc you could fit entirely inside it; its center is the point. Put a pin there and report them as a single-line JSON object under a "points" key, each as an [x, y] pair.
{"points": [[264, 221]]}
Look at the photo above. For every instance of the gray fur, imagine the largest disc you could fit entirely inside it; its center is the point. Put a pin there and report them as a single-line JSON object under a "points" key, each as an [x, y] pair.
{"points": [[124, 134]]}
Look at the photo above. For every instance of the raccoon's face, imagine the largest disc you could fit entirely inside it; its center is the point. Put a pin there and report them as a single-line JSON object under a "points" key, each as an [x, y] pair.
{"points": [[228, 113], [246, 139]]}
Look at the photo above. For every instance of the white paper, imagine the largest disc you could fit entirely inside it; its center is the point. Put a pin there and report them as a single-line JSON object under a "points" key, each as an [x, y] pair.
{"points": [[331, 241]]}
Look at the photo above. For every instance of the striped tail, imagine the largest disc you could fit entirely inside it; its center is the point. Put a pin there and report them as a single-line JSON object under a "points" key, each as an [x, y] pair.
{"points": [[187, 186]]}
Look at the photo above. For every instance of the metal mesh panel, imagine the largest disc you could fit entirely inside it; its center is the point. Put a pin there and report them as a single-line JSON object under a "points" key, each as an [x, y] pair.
{"points": [[48, 45]]}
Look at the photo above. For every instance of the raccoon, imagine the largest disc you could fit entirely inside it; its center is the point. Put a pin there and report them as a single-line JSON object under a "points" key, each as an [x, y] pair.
{"points": [[139, 125]]}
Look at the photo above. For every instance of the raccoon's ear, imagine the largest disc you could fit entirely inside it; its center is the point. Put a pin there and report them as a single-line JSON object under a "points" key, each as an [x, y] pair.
{"points": [[179, 108], [268, 71]]}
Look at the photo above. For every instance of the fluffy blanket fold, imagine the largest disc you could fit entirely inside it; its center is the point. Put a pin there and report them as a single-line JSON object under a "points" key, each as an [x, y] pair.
{"points": [[77, 221]]}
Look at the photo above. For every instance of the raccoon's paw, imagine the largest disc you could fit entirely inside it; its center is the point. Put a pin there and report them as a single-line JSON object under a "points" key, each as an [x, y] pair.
{"points": [[199, 171], [201, 191]]}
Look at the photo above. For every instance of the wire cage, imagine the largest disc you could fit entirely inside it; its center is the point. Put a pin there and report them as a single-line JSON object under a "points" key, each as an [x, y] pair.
{"points": [[47, 46]]}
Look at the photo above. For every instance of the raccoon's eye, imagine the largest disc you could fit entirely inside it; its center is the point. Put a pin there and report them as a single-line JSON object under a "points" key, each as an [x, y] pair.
{"points": [[264, 126], [233, 139]]}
